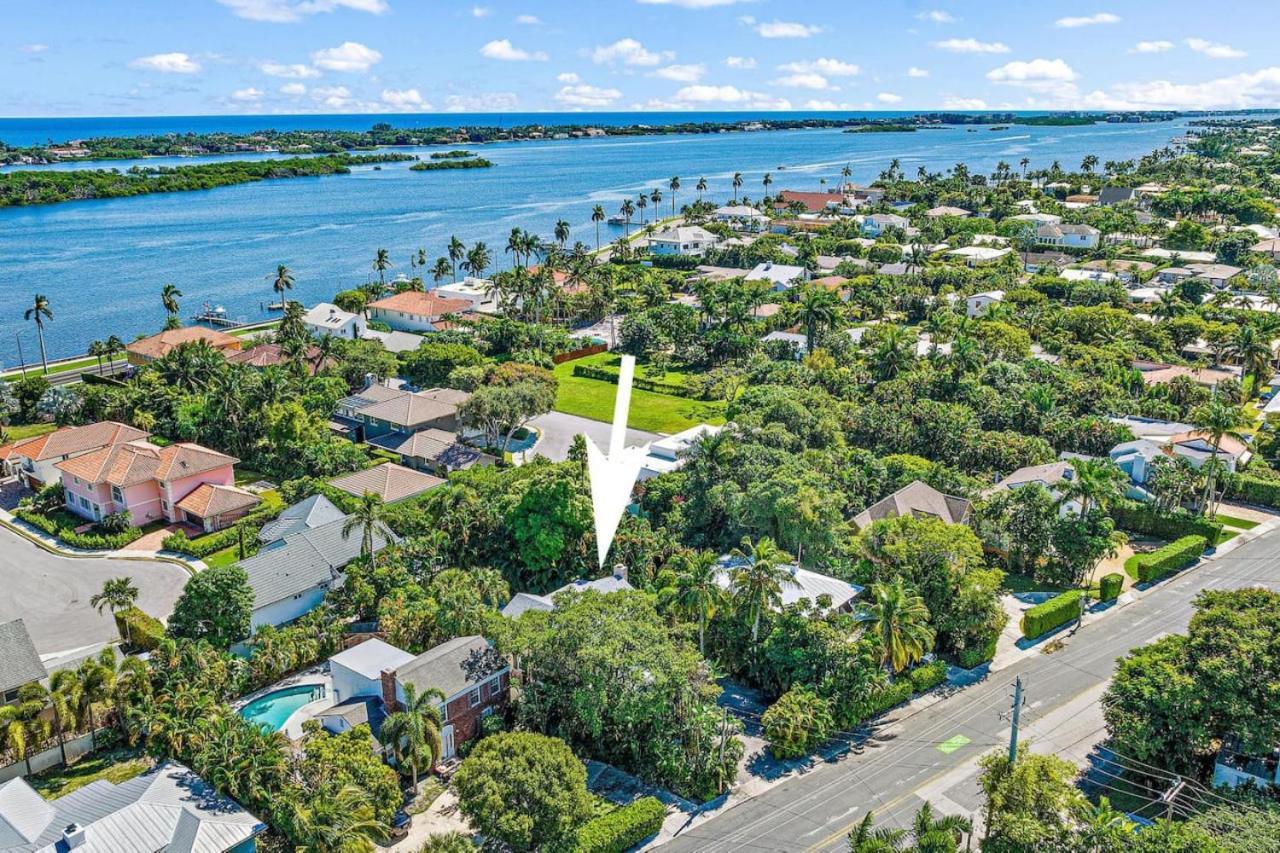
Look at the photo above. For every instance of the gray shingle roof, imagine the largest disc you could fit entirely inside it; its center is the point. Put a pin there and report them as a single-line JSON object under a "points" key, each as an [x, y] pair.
{"points": [[19, 663], [302, 561], [304, 515], [916, 497], [452, 667]]}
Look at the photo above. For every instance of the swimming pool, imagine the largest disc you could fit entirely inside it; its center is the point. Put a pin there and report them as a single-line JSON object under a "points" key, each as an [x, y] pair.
{"points": [[274, 709]]}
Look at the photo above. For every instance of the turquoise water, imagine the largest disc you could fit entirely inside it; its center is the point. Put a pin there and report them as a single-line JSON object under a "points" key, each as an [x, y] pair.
{"points": [[102, 263], [274, 709]]}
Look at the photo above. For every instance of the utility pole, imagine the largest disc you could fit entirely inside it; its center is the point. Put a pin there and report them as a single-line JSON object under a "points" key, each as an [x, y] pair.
{"points": [[1170, 795], [1017, 709]]}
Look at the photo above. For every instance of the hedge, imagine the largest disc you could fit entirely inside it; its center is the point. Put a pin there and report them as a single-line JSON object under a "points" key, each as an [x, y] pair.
{"points": [[1172, 557], [88, 541], [1110, 586], [1253, 490], [1141, 518], [588, 371], [203, 546], [928, 676], [623, 828], [887, 697], [977, 655], [144, 631], [1048, 615]]}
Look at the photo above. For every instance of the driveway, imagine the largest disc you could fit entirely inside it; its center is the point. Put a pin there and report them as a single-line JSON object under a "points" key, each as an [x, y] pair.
{"points": [[558, 430], [51, 593]]}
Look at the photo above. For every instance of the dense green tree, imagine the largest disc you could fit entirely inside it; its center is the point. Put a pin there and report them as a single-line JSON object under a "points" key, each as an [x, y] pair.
{"points": [[1030, 804], [797, 723], [215, 605]]}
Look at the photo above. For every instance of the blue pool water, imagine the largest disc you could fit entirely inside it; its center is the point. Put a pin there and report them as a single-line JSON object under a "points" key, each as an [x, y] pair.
{"points": [[272, 710]]}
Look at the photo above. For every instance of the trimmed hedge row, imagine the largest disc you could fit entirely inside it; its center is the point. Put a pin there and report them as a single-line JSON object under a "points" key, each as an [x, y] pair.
{"points": [[887, 697], [144, 631], [969, 658], [1110, 587], [623, 828], [1253, 490], [1172, 557], [1141, 518], [928, 676], [588, 371], [88, 541], [203, 546], [1048, 615]]}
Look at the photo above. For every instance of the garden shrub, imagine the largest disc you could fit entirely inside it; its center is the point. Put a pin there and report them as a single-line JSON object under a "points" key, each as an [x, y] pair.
{"points": [[1110, 587], [928, 676], [203, 546], [93, 540], [1048, 615], [622, 828], [894, 693], [143, 630], [1253, 490], [589, 371], [1147, 520], [977, 655], [1172, 557]]}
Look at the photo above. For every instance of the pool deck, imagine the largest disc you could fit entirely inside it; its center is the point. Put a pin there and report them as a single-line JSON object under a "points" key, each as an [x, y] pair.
{"points": [[292, 727]]}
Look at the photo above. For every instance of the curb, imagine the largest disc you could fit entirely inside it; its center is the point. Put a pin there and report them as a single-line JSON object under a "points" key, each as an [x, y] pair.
{"points": [[51, 548]]}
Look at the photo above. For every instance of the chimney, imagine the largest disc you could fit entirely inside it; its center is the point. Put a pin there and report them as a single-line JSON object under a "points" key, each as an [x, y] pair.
{"points": [[389, 700], [620, 571], [73, 836]]}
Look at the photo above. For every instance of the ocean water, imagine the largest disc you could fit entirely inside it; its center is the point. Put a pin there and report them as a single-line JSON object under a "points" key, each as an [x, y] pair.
{"points": [[102, 263]]}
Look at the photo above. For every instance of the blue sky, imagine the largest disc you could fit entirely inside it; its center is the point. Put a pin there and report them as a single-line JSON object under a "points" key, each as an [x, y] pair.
{"points": [[161, 57]]}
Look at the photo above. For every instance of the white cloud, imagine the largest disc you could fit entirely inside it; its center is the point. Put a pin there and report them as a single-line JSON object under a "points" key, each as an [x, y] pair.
{"points": [[408, 99], [889, 98], [692, 4], [166, 63], [703, 94], [964, 104], [295, 71], [681, 73], [627, 51], [917, 72], [971, 46], [293, 89], [481, 11], [744, 63], [33, 48], [1034, 72], [586, 95], [1072, 22], [284, 11], [1215, 50], [814, 104], [505, 51], [937, 16], [249, 94], [1251, 89], [568, 77], [528, 20], [482, 102], [781, 29], [804, 81], [348, 56], [1152, 47], [828, 67], [335, 97]]}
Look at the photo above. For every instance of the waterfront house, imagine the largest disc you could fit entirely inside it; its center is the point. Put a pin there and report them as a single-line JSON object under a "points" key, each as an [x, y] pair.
{"points": [[740, 217], [166, 808], [149, 349], [1068, 236], [182, 482], [917, 499], [670, 453], [414, 311], [328, 319], [979, 303], [20, 665], [35, 460], [780, 276], [273, 355], [480, 293], [525, 601], [820, 203], [877, 223], [682, 240], [817, 588], [435, 451], [389, 481]]}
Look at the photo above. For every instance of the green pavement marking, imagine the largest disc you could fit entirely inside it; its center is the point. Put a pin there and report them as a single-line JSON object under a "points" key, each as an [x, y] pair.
{"points": [[952, 744]]}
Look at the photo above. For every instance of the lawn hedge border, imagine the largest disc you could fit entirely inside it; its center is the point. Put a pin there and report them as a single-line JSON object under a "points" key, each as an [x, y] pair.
{"points": [[1172, 557], [589, 371], [1047, 615], [144, 630], [1253, 490], [622, 828], [88, 541], [1141, 518]]}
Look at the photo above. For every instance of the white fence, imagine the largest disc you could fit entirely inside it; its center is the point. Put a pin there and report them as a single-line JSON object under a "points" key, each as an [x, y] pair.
{"points": [[41, 761]]}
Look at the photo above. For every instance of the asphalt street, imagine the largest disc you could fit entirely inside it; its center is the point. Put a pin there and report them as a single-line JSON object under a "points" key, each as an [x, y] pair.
{"points": [[558, 430], [815, 811]]}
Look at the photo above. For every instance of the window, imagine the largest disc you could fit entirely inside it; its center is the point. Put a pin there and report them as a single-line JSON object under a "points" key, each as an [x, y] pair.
{"points": [[77, 479], [474, 697], [117, 495]]}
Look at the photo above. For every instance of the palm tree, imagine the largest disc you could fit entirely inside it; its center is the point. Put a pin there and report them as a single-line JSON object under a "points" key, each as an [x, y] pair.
{"points": [[674, 186], [737, 184], [901, 621], [1219, 419], [1253, 353], [369, 517], [1024, 163], [865, 839], [937, 834], [169, 295], [112, 347], [759, 577], [345, 822], [701, 187], [561, 232], [628, 209], [39, 312], [767, 181], [819, 308], [457, 251], [1093, 483], [441, 270], [642, 202], [894, 352], [98, 349], [478, 260], [698, 592], [382, 263], [414, 730], [283, 282], [597, 216], [117, 594]]}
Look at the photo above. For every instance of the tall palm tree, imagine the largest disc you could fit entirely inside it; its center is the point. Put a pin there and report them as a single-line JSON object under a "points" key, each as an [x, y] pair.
{"points": [[628, 209], [369, 517], [39, 312], [441, 270], [478, 260], [674, 186], [767, 180], [1219, 419], [1254, 354], [1093, 483], [819, 308], [97, 349], [901, 621], [894, 352], [597, 216], [414, 730], [759, 577], [283, 282], [737, 184], [112, 347], [698, 593], [382, 263], [117, 594], [457, 251], [845, 174], [169, 295], [642, 202], [656, 198], [701, 187], [561, 232]]}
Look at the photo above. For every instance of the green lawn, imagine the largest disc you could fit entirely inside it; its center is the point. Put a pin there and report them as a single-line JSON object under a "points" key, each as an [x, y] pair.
{"points": [[225, 557], [1024, 583], [1226, 535], [593, 398], [62, 367], [1131, 566], [1238, 523], [20, 432], [116, 766]]}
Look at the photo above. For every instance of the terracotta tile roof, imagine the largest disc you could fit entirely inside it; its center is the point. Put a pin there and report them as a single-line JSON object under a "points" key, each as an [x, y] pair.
{"points": [[831, 282], [813, 202], [139, 461], [209, 499], [158, 346], [422, 304], [69, 440], [271, 355], [389, 481]]}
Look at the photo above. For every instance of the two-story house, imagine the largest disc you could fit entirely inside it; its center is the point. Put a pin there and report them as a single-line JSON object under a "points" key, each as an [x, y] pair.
{"points": [[415, 311], [35, 460]]}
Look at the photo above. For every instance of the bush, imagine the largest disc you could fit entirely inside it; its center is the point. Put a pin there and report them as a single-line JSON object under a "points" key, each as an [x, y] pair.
{"points": [[117, 522], [977, 655], [1058, 610], [928, 676], [797, 723], [887, 697], [588, 371], [1172, 557], [1142, 518], [1111, 586], [1253, 490], [94, 540], [622, 829], [144, 632]]}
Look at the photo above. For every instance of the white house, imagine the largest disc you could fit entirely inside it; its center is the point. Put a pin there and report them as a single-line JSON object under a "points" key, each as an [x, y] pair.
{"points": [[328, 319], [875, 224], [740, 217], [687, 240], [668, 454], [415, 311], [1075, 274], [803, 583], [479, 292], [979, 255], [799, 343], [1051, 476], [525, 601], [1068, 236], [1186, 256], [781, 276], [979, 303], [358, 671]]}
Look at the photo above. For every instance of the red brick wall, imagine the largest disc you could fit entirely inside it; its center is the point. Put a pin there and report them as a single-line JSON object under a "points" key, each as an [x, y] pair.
{"points": [[389, 700], [466, 720]]}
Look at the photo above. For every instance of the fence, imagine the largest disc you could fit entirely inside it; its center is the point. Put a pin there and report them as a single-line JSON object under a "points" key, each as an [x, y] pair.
{"points": [[579, 353], [39, 762]]}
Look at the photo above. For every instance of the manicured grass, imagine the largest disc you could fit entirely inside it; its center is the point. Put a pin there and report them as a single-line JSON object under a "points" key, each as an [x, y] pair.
{"points": [[63, 367], [115, 766], [1238, 523], [225, 557], [19, 432], [593, 398], [1226, 535], [1024, 583]]}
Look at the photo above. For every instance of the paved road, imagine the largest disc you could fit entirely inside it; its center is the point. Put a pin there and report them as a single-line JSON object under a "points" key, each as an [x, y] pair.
{"points": [[816, 811], [67, 377], [51, 593], [558, 430]]}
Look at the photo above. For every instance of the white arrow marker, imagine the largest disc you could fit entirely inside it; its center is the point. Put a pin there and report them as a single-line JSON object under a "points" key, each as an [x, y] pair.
{"points": [[613, 476]]}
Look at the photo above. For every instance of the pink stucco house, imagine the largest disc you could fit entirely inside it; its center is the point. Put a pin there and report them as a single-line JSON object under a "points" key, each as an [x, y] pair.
{"points": [[183, 482]]}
